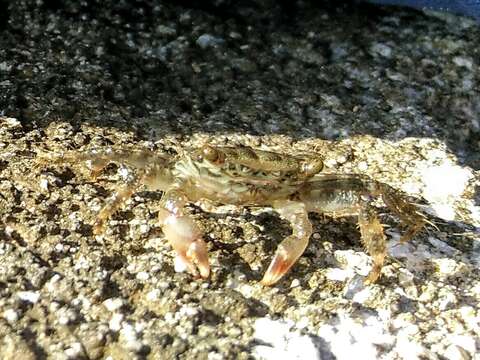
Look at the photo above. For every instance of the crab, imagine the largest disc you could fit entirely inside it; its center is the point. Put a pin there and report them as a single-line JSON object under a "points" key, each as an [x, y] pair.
{"points": [[240, 175]]}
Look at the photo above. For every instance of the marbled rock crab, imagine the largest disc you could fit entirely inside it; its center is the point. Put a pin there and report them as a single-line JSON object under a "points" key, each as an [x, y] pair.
{"points": [[240, 175]]}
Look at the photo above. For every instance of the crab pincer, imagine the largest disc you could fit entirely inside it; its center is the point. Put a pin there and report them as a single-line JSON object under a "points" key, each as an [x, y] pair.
{"points": [[293, 246], [186, 239], [183, 234]]}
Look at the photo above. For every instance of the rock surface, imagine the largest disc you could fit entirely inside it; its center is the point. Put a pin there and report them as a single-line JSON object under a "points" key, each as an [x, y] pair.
{"points": [[390, 93]]}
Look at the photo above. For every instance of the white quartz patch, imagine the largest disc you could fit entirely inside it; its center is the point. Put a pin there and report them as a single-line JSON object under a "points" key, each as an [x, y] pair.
{"points": [[340, 339], [350, 338], [29, 296], [443, 185], [277, 341]]}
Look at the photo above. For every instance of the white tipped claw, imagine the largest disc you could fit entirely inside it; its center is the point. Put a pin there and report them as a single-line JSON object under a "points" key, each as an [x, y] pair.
{"points": [[197, 254], [186, 239], [279, 266]]}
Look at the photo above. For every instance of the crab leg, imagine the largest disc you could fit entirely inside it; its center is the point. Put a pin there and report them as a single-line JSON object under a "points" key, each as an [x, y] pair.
{"points": [[349, 195], [151, 176], [373, 240], [292, 247], [120, 196], [183, 234], [114, 203], [406, 211], [338, 201]]}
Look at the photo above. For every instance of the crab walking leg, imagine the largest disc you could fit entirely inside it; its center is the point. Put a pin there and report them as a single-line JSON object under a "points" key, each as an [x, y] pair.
{"points": [[373, 239], [406, 211], [146, 177], [349, 195], [96, 162], [151, 177], [341, 187], [292, 247], [114, 203], [183, 234]]}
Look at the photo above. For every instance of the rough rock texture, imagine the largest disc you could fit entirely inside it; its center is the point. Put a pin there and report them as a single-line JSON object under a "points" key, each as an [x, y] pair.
{"points": [[387, 92]]}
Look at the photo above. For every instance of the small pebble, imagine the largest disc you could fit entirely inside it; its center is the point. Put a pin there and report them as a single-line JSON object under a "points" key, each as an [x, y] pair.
{"points": [[113, 304], [382, 50], [10, 315], [295, 283], [463, 62], [43, 184], [206, 40], [129, 337], [29, 296], [143, 276], [362, 166], [115, 323], [153, 295], [74, 351]]}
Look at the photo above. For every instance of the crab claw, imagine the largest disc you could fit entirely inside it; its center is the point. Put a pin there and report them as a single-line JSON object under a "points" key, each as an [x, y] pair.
{"points": [[186, 239], [281, 263], [197, 254]]}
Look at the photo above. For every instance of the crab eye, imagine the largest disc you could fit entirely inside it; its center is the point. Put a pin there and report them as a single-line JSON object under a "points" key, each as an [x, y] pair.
{"points": [[209, 153], [311, 168]]}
